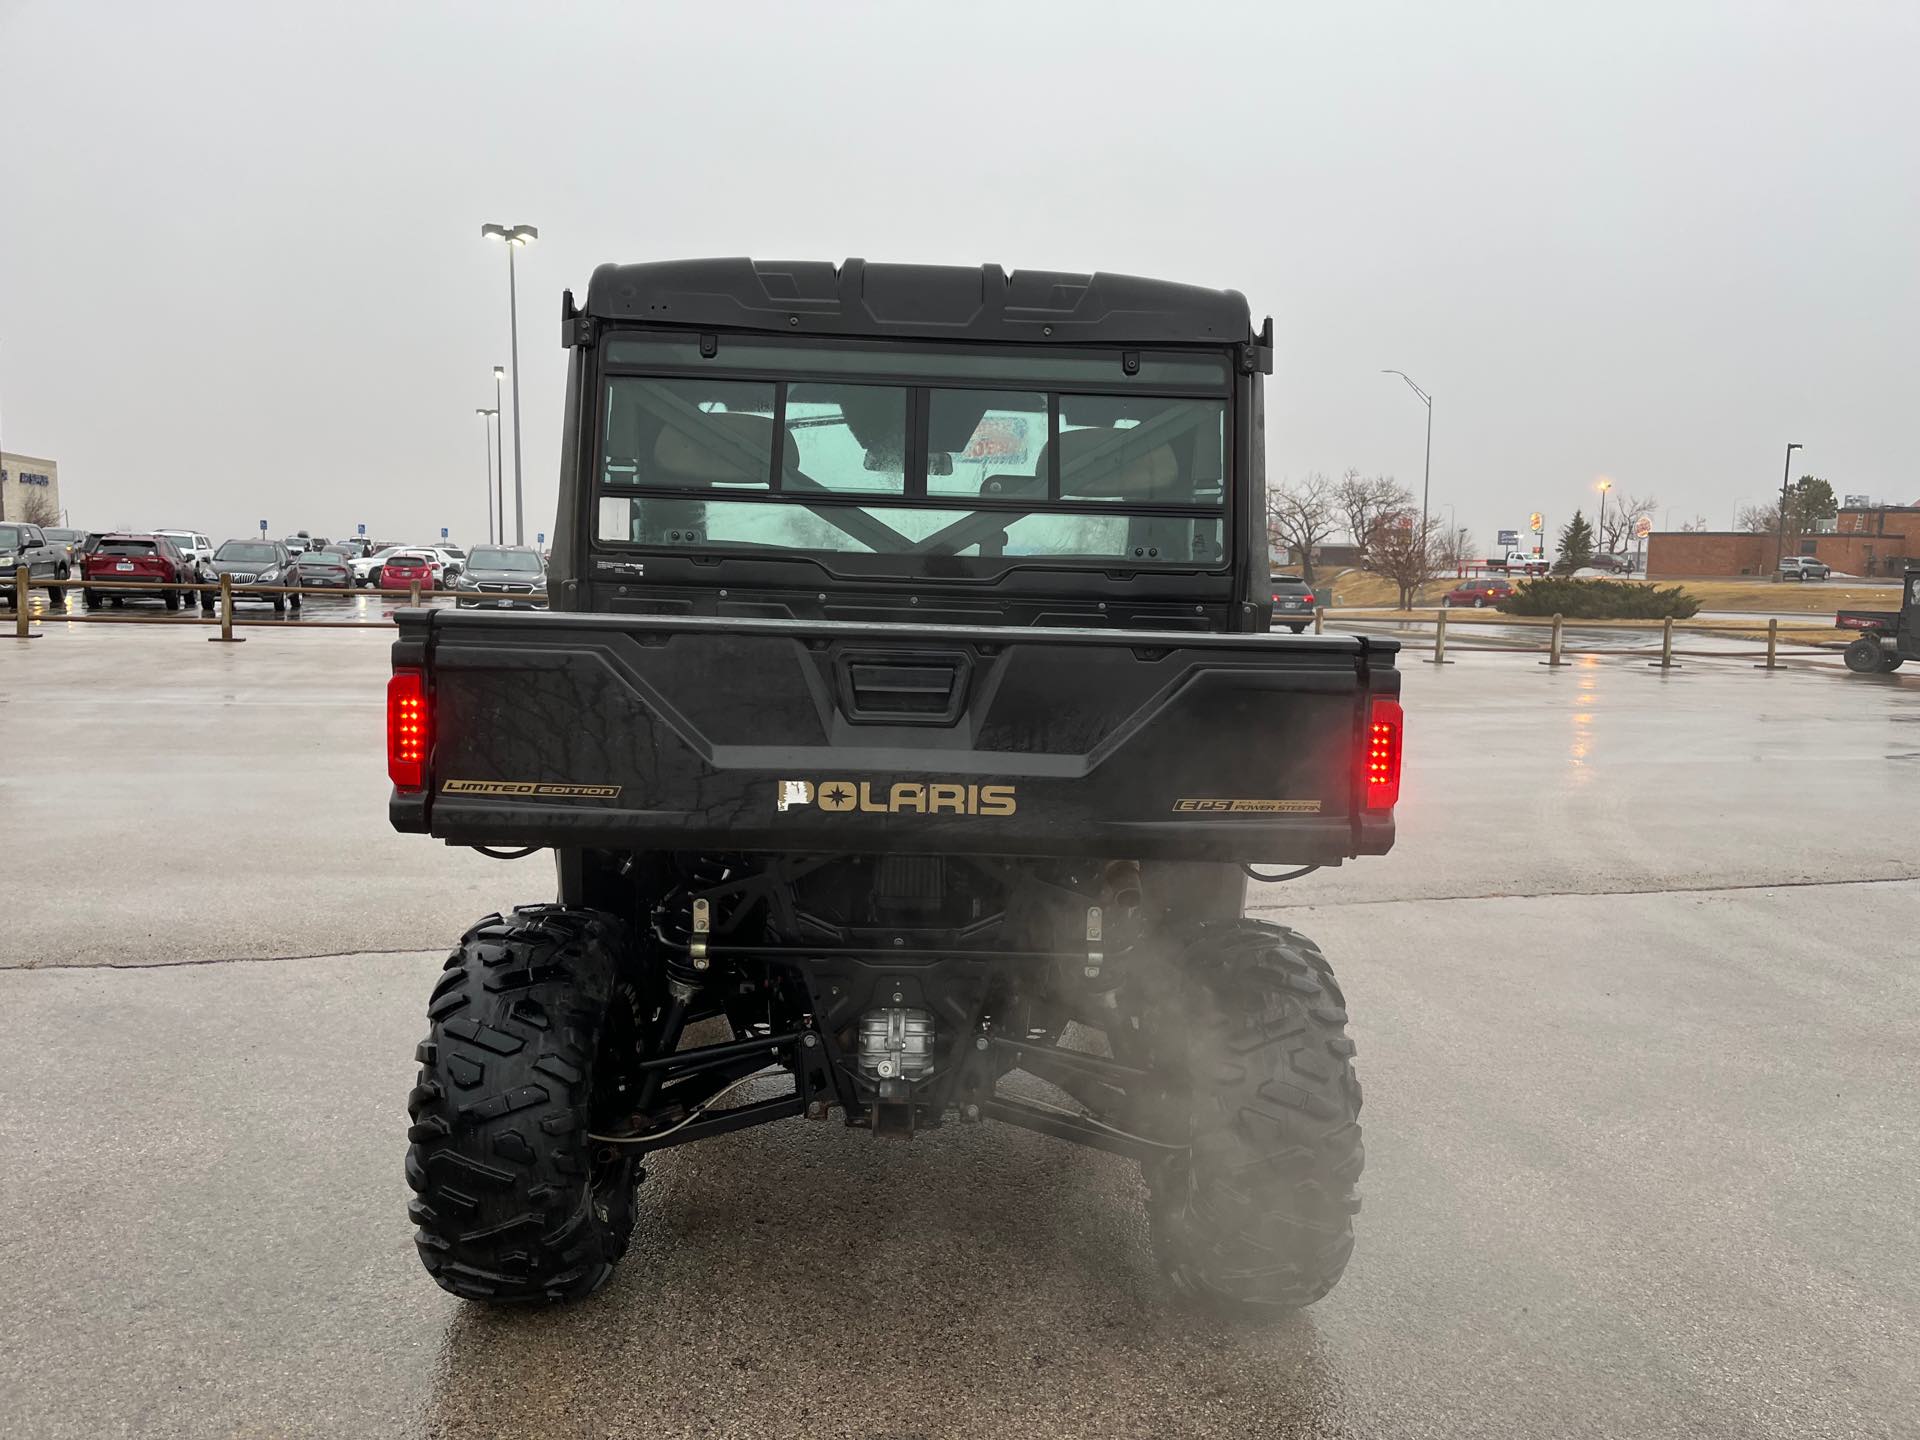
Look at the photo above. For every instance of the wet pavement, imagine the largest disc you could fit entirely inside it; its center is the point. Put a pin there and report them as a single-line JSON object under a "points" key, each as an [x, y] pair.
{"points": [[1636, 1012]]}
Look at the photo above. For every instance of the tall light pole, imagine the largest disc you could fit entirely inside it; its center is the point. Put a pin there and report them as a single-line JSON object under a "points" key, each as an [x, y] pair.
{"points": [[1780, 530], [500, 436], [1604, 486], [493, 414], [514, 237], [1426, 472]]}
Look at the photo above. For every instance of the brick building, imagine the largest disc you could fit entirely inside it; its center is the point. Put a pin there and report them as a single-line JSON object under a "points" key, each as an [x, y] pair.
{"points": [[1871, 540]]}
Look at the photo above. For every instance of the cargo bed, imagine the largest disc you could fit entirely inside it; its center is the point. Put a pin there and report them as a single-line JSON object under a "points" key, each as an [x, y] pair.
{"points": [[668, 732]]}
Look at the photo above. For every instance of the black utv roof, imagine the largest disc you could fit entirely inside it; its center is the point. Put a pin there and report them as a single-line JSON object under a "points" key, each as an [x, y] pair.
{"points": [[928, 302]]}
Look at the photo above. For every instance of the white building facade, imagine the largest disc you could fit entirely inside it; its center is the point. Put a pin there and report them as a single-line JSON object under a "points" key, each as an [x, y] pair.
{"points": [[29, 488]]}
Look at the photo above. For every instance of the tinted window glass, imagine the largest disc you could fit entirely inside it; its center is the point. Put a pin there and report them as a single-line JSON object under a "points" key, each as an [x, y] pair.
{"points": [[846, 438], [241, 552], [1138, 448], [127, 547], [993, 441], [689, 433], [892, 530], [485, 559]]}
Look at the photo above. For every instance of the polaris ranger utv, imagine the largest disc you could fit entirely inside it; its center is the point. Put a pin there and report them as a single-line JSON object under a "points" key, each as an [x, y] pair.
{"points": [[907, 712]]}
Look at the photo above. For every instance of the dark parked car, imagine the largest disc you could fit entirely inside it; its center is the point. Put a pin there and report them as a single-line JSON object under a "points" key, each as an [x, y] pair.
{"points": [[129, 559], [501, 577], [1478, 593], [46, 563], [322, 570], [70, 540], [257, 562], [1292, 597]]}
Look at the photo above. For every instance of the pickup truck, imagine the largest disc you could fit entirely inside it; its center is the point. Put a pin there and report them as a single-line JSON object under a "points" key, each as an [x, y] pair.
{"points": [[909, 695], [24, 546], [1519, 562], [1887, 639]]}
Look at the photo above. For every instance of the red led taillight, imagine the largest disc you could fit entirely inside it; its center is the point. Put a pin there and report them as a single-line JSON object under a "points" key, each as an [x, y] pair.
{"points": [[409, 730], [1380, 760]]}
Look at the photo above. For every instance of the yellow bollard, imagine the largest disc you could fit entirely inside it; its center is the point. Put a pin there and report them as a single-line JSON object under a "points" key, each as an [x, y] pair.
{"points": [[1773, 644], [1553, 645], [1440, 639], [20, 630], [413, 592], [226, 614], [1319, 619], [1665, 662]]}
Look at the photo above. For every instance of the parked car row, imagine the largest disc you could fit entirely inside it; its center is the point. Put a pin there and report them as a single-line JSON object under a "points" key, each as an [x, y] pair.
{"points": [[113, 567]]}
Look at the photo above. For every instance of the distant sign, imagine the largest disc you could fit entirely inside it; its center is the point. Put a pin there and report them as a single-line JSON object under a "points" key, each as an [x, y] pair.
{"points": [[1856, 502], [1509, 538], [1535, 521], [361, 528], [1643, 527], [1000, 439], [263, 527], [541, 538], [443, 532]]}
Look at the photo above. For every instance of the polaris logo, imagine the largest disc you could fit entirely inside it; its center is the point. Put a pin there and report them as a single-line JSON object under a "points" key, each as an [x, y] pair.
{"points": [[905, 798]]}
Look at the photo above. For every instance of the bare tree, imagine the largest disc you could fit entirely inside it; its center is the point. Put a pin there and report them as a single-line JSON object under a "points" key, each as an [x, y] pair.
{"points": [[1363, 499], [36, 509], [1302, 515], [1616, 531], [1760, 519], [1400, 549], [1456, 549], [1693, 526]]}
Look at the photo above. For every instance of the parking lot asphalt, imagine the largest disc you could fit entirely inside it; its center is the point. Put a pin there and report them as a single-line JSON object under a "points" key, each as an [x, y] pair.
{"points": [[1634, 1000]]}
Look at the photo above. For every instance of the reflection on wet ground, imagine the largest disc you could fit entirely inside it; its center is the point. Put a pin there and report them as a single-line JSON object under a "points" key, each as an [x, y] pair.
{"points": [[1635, 1055]]}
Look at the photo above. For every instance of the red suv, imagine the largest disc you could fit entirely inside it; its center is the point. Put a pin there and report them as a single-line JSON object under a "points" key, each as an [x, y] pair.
{"points": [[398, 572], [124, 559], [1479, 593]]}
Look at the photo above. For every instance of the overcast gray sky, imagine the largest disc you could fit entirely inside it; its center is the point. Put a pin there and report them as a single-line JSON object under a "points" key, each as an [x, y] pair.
{"points": [[241, 275]]}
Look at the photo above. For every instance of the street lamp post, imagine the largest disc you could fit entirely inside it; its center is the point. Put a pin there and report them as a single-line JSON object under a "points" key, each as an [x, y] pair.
{"points": [[514, 236], [1426, 472], [493, 413], [1603, 487], [500, 449], [1780, 529]]}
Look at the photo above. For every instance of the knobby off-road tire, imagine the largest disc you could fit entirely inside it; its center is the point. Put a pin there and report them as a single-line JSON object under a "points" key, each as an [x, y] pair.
{"points": [[511, 1203], [1866, 656], [1255, 1218]]}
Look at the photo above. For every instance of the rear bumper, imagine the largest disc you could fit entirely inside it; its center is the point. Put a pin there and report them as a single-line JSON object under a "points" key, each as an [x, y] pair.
{"points": [[684, 733]]}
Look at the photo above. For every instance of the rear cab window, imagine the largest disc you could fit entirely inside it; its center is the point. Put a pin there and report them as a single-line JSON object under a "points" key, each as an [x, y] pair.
{"points": [[929, 471]]}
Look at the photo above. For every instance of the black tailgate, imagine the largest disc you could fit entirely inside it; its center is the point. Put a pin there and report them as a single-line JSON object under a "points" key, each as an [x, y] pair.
{"points": [[683, 733]]}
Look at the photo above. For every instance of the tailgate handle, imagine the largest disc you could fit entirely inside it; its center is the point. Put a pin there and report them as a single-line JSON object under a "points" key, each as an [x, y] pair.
{"points": [[917, 689]]}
